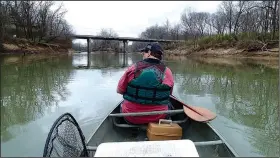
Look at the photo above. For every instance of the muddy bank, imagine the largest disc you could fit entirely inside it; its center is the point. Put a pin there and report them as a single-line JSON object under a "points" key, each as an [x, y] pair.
{"points": [[21, 47], [229, 57], [29, 58], [221, 52], [231, 61], [239, 62]]}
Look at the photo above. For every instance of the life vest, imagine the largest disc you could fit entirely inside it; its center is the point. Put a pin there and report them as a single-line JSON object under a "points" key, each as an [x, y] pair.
{"points": [[146, 87]]}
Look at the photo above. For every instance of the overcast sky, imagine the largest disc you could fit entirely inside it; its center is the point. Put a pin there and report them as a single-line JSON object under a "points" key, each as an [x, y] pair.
{"points": [[127, 18]]}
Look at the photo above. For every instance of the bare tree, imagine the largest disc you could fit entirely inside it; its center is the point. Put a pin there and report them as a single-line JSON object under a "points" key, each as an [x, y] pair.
{"points": [[247, 17], [228, 9], [34, 20], [175, 32], [105, 44], [43, 17], [189, 23], [200, 19], [218, 22]]}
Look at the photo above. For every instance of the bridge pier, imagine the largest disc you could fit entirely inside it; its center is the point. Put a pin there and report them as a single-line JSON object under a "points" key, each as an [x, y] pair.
{"points": [[124, 51], [88, 52]]}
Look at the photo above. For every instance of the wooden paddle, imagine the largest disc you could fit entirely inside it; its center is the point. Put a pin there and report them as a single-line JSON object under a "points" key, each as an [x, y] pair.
{"points": [[197, 113]]}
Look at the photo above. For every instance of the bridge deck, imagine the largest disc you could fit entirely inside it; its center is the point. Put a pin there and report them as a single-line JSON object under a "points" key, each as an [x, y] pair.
{"points": [[122, 38]]}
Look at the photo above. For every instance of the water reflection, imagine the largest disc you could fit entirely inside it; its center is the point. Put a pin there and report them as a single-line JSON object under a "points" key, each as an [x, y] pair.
{"points": [[28, 89], [104, 60], [36, 93], [246, 95]]}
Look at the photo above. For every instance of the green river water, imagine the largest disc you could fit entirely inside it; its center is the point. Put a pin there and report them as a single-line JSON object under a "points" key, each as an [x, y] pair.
{"points": [[34, 94]]}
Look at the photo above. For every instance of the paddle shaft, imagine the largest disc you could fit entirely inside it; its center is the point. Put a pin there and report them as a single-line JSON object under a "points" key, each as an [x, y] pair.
{"points": [[188, 106]]}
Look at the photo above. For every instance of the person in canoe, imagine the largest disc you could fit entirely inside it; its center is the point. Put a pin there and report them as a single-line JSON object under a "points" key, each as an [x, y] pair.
{"points": [[146, 86]]}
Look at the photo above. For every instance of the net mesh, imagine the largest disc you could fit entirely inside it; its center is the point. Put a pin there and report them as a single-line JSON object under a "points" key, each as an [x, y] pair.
{"points": [[65, 139]]}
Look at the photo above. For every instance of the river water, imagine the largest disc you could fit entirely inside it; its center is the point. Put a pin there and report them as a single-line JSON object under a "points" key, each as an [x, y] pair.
{"points": [[35, 93]]}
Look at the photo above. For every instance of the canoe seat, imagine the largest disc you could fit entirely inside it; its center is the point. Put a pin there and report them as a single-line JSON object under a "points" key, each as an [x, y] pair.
{"points": [[169, 148]]}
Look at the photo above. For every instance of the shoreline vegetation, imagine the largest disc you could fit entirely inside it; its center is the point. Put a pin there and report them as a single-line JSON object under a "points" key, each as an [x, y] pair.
{"points": [[220, 49], [29, 27], [238, 29]]}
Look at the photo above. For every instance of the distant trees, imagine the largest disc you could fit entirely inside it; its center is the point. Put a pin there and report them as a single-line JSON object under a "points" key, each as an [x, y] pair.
{"points": [[101, 45], [105, 44], [33, 20], [79, 47], [253, 18], [37, 22]]}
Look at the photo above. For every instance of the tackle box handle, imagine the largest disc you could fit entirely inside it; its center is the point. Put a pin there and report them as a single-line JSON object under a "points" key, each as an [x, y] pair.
{"points": [[164, 120]]}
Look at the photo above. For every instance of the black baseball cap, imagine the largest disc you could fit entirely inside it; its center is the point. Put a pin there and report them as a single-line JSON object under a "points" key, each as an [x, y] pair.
{"points": [[154, 47]]}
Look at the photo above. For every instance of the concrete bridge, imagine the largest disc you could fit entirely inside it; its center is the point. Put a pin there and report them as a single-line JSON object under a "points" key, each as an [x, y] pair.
{"points": [[125, 40]]}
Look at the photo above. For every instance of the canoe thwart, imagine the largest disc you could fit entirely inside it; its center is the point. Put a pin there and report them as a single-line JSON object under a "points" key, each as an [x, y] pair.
{"points": [[147, 113]]}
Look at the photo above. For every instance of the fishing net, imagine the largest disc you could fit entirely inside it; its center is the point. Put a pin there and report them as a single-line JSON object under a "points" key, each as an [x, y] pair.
{"points": [[65, 139]]}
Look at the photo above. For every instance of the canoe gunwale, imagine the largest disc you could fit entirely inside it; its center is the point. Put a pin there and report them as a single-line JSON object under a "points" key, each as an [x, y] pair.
{"points": [[92, 134], [224, 140]]}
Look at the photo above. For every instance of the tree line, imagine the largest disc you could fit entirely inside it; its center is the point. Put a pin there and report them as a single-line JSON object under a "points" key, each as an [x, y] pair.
{"points": [[239, 19], [233, 20], [34, 21]]}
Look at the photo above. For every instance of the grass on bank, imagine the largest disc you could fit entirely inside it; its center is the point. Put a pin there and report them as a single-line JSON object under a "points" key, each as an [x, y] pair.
{"points": [[247, 41]]}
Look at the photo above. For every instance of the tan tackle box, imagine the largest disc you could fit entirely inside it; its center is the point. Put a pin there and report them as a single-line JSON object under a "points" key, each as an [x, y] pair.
{"points": [[164, 130]]}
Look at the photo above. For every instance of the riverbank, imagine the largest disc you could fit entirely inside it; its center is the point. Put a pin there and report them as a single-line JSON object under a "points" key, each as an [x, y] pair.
{"points": [[240, 62], [22, 46], [223, 52], [224, 49], [228, 57], [30, 58]]}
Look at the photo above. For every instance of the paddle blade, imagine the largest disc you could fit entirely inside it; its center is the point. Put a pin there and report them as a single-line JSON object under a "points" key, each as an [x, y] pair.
{"points": [[196, 113], [199, 114]]}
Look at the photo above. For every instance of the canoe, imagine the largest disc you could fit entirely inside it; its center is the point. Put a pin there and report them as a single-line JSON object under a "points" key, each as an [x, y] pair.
{"points": [[66, 139], [114, 128]]}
